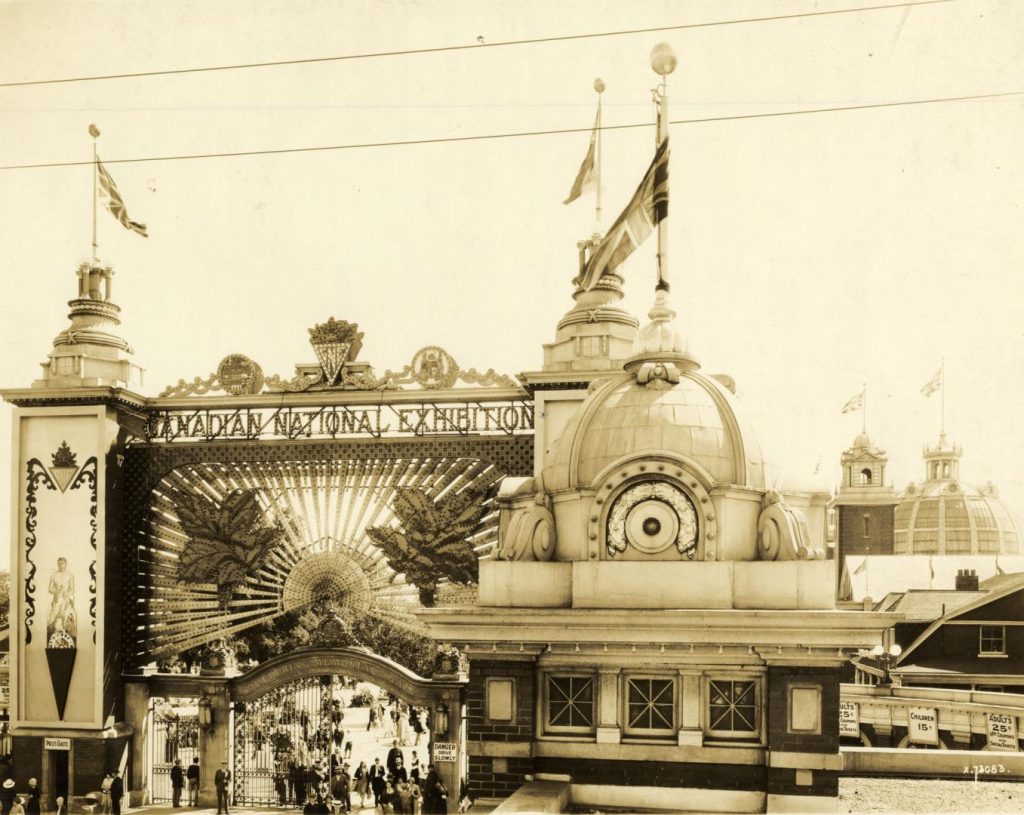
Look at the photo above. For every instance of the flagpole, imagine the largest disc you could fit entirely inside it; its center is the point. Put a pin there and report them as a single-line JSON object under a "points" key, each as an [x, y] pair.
{"points": [[599, 87], [663, 61], [942, 391], [864, 409], [95, 133]]}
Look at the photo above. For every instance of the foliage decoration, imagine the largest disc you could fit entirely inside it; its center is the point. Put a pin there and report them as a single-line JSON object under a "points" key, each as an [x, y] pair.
{"points": [[432, 540], [335, 331], [64, 457], [227, 541]]}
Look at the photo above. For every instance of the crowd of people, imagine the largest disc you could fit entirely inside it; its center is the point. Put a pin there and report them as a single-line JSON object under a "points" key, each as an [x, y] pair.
{"points": [[296, 750]]}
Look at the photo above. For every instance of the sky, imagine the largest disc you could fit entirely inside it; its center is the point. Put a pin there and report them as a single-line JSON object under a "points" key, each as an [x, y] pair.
{"points": [[808, 254]]}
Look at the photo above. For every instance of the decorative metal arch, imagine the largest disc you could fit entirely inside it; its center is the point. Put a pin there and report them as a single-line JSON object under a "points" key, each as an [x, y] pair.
{"points": [[329, 493], [356, 662]]}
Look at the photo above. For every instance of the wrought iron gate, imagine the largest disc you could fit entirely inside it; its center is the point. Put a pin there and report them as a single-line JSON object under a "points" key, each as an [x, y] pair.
{"points": [[175, 736], [283, 741]]}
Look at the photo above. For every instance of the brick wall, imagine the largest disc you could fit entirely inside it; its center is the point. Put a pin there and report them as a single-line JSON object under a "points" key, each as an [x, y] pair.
{"points": [[521, 728], [26, 759], [880, 530], [497, 777], [779, 737]]}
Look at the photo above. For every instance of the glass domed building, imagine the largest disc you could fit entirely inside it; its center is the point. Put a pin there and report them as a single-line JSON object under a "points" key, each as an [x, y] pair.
{"points": [[943, 515]]}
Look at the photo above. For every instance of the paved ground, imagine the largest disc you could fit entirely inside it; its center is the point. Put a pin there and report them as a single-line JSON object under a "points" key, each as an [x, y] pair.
{"points": [[890, 796], [903, 795]]}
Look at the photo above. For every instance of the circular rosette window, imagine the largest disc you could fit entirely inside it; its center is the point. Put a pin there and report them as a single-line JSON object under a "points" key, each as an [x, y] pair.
{"points": [[652, 517]]}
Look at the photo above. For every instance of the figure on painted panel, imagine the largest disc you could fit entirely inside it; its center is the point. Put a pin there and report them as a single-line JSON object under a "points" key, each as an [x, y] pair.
{"points": [[62, 624]]}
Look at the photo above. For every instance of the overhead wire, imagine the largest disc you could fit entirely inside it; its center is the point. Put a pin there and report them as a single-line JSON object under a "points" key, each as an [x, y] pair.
{"points": [[470, 47], [516, 134]]}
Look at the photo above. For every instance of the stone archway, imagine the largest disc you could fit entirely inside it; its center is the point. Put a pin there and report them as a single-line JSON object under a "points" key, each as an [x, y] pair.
{"points": [[441, 696]]}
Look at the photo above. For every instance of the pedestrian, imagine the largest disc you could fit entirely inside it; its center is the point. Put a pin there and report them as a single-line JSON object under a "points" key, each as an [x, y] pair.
{"points": [[394, 754], [7, 796], [399, 772], [60, 806], [434, 794], [32, 798], [177, 783], [416, 725], [116, 793], [108, 779], [370, 722], [18, 807], [379, 786], [362, 779], [341, 791], [348, 751], [221, 780], [192, 774]]}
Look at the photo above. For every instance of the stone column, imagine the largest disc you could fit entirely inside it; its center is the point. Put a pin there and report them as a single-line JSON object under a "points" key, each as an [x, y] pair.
{"points": [[214, 743], [137, 716], [608, 728], [690, 732]]}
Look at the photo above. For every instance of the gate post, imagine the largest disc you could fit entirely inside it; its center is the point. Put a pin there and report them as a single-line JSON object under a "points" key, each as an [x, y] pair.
{"points": [[214, 735], [446, 729]]}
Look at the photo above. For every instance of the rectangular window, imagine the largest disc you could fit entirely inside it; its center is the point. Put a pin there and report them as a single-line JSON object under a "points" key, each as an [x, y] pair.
{"points": [[992, 640], [867, 526], [650, 706], [570, 704], [734, 708]]}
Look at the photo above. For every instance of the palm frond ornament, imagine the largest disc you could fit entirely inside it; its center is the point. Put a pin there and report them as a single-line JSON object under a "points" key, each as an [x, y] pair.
{"points": [[432, 540], [227, 541]]}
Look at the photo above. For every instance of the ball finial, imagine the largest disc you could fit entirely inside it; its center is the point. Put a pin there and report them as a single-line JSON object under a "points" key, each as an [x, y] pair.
{"points": [[663, 59], [599, 85]]}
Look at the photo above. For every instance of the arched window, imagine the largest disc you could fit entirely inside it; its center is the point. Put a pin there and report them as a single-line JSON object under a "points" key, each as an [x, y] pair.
{"points": [[865, 477]]}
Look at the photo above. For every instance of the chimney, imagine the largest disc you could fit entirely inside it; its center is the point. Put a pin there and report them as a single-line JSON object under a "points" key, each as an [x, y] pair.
{"points": [[966, 580]]}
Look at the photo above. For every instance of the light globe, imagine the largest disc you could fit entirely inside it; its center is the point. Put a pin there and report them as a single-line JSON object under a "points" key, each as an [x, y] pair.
{"points": [[663, 59]]}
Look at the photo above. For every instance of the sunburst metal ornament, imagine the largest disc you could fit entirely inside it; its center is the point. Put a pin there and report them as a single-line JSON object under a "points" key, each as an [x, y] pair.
{"points": [[322, 550]]}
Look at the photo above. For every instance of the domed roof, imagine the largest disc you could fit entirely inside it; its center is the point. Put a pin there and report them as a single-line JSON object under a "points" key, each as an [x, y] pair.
{"points": [[950, 517], [695, 418], [863, 440]]}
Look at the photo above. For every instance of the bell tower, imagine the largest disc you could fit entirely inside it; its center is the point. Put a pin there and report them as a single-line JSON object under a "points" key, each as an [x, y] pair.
{"points": [[865, 503]]}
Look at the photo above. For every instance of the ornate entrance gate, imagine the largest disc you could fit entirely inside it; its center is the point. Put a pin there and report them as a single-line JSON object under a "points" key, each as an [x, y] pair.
{"points": [[281, 736], [175, 737]]}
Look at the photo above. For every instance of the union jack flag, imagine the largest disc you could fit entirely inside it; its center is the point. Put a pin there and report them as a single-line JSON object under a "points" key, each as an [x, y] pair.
{"points": [[645, 210], [112, 200]]}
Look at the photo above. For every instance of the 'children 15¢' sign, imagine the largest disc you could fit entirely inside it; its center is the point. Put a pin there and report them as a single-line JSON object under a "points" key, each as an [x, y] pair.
{"points": [[923, 725]]}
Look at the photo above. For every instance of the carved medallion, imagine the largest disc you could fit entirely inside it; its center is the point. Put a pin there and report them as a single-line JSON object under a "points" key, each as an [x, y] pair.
{"points": [[652, 516], [335, 342], [239, 375], [433, 367]]}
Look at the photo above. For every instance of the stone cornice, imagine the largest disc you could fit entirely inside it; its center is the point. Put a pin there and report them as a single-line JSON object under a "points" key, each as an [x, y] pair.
{"points": [[808, 629]]}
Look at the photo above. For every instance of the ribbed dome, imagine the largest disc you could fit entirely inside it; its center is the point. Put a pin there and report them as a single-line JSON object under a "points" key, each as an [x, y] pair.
{"points": [[695, 418], [947, 517]]}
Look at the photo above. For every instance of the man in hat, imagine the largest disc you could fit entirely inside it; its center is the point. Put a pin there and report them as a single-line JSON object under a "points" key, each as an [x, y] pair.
{"points": [[177, 783], [7, 796], [221, 779], [340, 790], [116, 793]]}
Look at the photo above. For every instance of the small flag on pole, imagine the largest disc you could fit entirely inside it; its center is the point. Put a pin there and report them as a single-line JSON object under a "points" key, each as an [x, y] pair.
{"points": [[647, 207], [933, 384], [585, 177], [112, 200], [855, 402]]}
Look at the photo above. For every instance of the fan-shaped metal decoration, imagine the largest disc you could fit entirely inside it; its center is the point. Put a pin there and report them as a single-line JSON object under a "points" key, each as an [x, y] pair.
{"points": [[323, 552]]}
